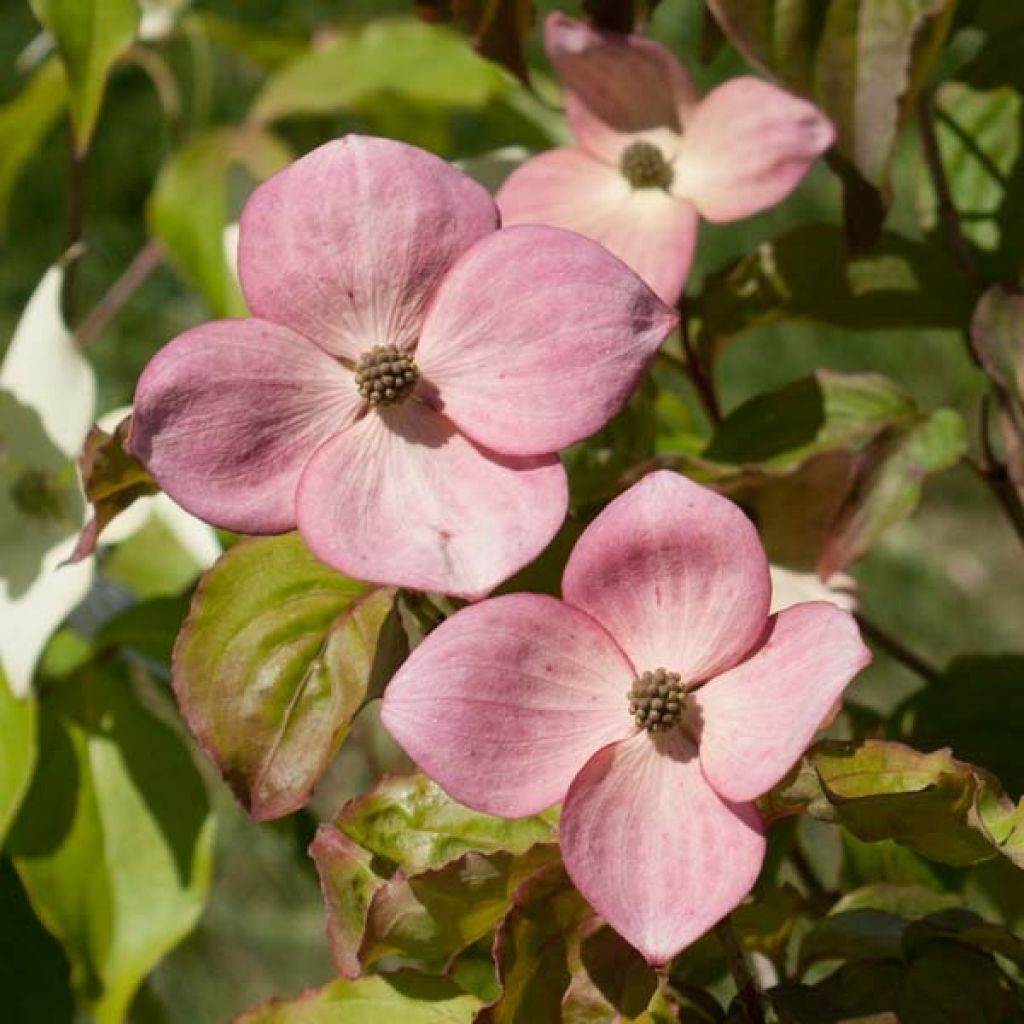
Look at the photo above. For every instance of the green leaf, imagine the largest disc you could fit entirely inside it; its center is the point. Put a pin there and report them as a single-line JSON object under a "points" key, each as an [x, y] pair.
{"points": [[404, 997], [596, 466], [890, 489], [610, 982], [266, 46], [827, 464], [975, 708], [980, 144], [277, 655], [852, 935], [411, 822], [34, 975], [114, 841], [348, 880], [188, 208], [17, 752], [430, 918], [417, 63], [765, 924], [942, 808], [808, 276], [907, 900], [406, 871], [147, 629], [531, 950], [778, 431], [24, 124], [90, 36], [861, 61], [112, 480]]}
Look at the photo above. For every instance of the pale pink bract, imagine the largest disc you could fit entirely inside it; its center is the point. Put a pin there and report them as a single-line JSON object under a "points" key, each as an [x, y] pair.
{"points": [[521, 701], [742, 148], [525, 341]]}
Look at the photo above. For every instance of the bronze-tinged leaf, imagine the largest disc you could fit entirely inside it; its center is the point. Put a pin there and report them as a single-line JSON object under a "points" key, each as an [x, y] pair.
{"points": [[277, 655], [112, 479]]}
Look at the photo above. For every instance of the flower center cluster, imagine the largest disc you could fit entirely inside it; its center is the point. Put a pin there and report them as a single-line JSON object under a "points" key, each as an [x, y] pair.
{"points": [[38, 495], [643, 166], [657, 700], [386, 375]]}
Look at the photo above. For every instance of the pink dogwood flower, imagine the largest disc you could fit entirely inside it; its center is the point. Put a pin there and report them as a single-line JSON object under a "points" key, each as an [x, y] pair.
{"points": [[658, 699], [651, 154], [407, 376]]}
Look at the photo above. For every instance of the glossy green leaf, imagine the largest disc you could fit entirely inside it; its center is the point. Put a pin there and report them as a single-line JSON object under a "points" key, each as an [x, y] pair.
{"points": [[90, 36], [531, 949], [276, 656], [25, 122], [419, 63], [112, 480], [980, 144], [862, 61], [808, 275], [404, 997], [188, 208], [114, 840], [17, 752], [411, 822], [939, 807]]}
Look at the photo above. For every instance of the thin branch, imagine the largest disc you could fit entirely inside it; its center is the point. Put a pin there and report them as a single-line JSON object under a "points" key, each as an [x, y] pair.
{"points": [[993, 472], [948, 213], [146, 260], [746, 984], [698, 372], [895, 649]]}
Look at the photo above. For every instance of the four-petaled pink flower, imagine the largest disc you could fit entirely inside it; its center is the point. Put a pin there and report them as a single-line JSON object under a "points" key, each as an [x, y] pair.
{"points": [[406, 378], [658, 700], [651, 154]]}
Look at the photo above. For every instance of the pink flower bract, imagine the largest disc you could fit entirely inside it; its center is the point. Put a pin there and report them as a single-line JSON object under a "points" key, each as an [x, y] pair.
{"points": [[521, 701], [636, 114], [375, 271]]}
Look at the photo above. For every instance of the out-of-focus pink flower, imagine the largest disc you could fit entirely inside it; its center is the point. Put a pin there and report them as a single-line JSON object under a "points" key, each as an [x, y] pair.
{"points": [[406, 377], [658, 699], [651, 154]]}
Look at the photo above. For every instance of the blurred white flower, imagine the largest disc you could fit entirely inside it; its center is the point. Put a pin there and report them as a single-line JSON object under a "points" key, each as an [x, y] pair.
{"points": [[47, 405], [790, 587]]}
